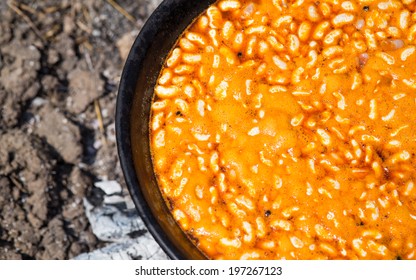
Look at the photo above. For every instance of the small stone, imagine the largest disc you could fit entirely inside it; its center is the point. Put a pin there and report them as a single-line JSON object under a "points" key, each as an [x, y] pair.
{"points": [[34, 221], [78, 182], [13, 78], [54, 241], [84, 87], [69, 24], [53, 56], [96, 33], [64, 138], [49, 83], [38, 101], [75, 249], [124, 44]]}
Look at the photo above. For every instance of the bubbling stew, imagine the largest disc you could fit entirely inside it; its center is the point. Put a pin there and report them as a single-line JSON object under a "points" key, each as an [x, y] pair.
{"points": [[286, 129]]}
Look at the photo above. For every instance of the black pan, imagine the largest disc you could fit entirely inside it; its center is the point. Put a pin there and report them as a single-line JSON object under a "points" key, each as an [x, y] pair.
{"points": [[140, 73]]}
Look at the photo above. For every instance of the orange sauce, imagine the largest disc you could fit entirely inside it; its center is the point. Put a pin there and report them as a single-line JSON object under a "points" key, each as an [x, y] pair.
{"points": [[286, 130]]}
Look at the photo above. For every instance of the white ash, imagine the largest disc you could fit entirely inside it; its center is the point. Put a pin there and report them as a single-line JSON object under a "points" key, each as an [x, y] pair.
{"points": [[111, 224], [111, 133], [109, 187], [143, 248], [114, 199], [117, 221], [97, 144]]}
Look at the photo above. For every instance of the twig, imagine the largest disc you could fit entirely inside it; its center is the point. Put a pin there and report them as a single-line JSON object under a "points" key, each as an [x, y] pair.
{"points": [[16, 9], [122, 11]]}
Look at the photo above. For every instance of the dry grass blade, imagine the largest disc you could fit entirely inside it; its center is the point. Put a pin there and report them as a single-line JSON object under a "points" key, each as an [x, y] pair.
{"points": [[84, 27], [53, 31], [52, 9], [88, 45], [19, 12], [100, 119], [28, 9], [122, 11], [17, 183]]}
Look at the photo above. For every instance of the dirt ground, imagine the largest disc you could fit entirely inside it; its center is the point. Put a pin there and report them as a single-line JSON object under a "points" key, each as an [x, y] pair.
{"points": [[60, 65]]}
